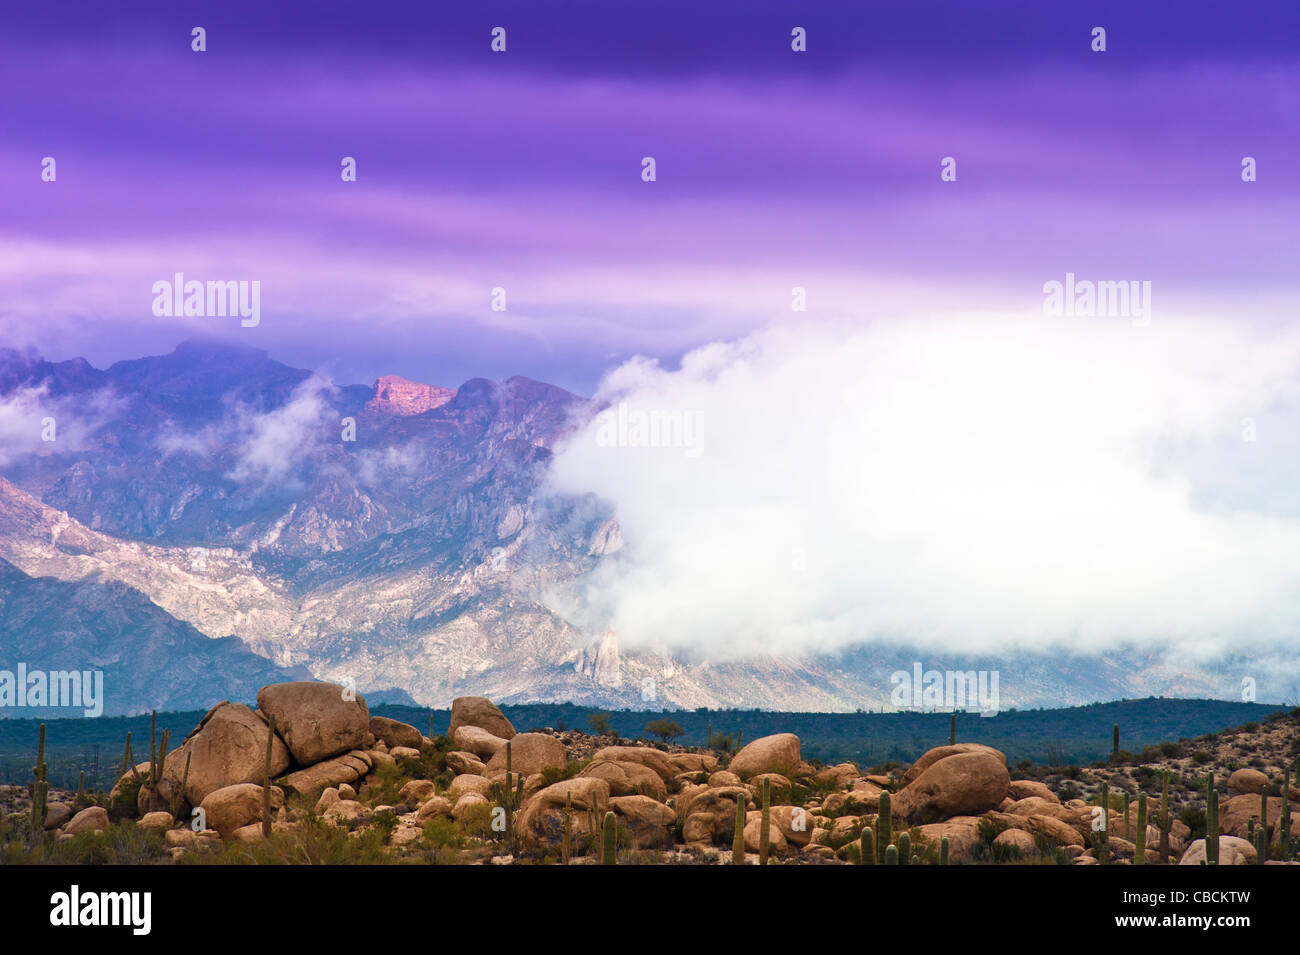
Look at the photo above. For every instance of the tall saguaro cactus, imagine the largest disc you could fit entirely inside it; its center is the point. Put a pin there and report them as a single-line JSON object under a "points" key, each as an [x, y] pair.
{"points": [[952, 729], [904, 848], [266, 780], [765, 823], [40, 786], [738, 837], [1261, 847], [1114, 742], [1211, 822], [1164, 823], [884, 825], [1140, 845], [868, 847], [943, 851], [1284, 820]]}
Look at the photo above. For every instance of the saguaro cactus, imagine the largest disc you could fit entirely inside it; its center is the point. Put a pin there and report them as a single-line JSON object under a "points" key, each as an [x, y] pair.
{"points": [[765, 823], [1164, 824], [891, 855], [943, 851], [884, 824], [40, 786], [904, 849], [266, 781], [1284, 821], [1261, 847], [952, 729], [1114, 742], [1140, 845], [868, 847], [738, 837], [609, 840], [1103, 837], [1211, 822]]}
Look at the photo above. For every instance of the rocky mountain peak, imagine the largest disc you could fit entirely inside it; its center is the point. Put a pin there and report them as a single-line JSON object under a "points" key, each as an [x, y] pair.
{"points": [[397, 395]]}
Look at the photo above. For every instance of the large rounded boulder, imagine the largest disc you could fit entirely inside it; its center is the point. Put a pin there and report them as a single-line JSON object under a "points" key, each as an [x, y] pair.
{"points": [[481, 712], [228, 747], [316, 720], [529, 753], [768, 754], [963, 784]]}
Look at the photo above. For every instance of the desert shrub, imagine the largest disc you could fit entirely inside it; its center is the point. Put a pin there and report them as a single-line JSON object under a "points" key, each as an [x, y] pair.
{"points": [[386, 782], [122, 843], [312, 841], [600, 724], [1194, 818], [124, 805], [443, 833], [557, 774]]}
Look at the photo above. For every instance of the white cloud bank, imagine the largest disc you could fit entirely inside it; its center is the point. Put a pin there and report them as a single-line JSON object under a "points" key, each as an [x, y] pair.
{"points": [[960, 484]]}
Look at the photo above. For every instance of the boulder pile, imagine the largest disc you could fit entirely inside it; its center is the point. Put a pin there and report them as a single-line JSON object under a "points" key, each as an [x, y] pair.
{"points": [[496, 794]]}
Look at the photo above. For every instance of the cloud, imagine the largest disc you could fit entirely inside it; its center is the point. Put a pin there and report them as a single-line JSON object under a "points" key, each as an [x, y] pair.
{"points": [[29, 415], [272, 445], [959, 484]]}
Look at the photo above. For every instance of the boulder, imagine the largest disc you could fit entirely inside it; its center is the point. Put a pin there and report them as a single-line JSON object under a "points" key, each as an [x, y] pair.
{"points": [[481, 712], [963, 784], [649, 822], [1232, 851], [477, 741], [160, 821], [228, 747], [434, 806], [396, 733], [460, 763], [233, 807], [415, 792], [724, 778], [1236, 813], [795, 823], [316, 720], [529, 753], [90, 819], [753, 834], [627, 779], [1016, 841], [930, 757], [469, 784], [1027, 788], [693, 762], [541, 820], [313, 780], [645, 756], [962, 834], [769, 754], [56, 814], [1244, 781], [466, 804]]}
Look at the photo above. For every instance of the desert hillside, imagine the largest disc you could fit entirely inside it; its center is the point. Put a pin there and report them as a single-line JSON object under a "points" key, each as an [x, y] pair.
{"points": [[311, 776]]}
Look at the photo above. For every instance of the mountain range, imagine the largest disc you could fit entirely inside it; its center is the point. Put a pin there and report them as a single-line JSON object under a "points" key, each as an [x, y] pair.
{"points": [[211, 520]]}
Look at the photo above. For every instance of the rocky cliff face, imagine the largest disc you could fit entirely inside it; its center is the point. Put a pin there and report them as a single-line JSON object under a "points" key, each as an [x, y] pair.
{"points": [[394, 395]]}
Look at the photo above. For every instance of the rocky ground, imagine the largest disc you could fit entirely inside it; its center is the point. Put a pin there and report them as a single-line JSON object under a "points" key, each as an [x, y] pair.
{"points": [[348, 787]]}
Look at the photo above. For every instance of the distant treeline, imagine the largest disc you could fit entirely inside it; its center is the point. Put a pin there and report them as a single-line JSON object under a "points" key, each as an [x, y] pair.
{"points": [[1069, 736]]}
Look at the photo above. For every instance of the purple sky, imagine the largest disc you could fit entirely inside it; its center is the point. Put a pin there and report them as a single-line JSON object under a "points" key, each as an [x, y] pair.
{"points": [[522, 170]]}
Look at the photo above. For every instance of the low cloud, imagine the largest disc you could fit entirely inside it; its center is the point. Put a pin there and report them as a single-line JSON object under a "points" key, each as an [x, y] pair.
{"points": [[960, 485], [30, 415]]}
